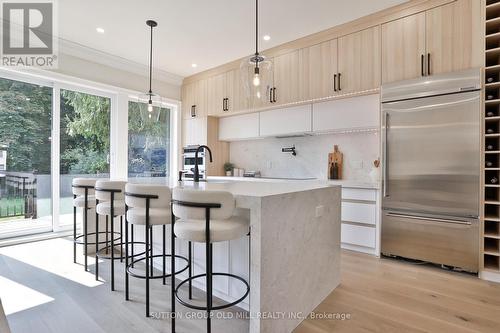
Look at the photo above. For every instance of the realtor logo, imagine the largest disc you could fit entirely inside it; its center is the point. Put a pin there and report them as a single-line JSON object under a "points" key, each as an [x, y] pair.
{"points": [[28, 34]]}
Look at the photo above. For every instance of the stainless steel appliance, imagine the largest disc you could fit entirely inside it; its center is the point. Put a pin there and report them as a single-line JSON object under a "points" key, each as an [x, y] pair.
{"points": [[431, 170], [188, 159]]}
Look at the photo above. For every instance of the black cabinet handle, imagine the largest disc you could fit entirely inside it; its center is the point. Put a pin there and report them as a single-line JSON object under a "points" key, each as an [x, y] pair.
{"points": [[270, 95], [223, 104], [193, 111], [422, 65], [339, 83], [274, 95], [428, 64], [334, 82], [227, 104]]}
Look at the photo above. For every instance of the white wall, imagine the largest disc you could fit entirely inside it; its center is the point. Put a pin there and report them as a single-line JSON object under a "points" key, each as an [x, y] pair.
{"points": [[360, 150]]}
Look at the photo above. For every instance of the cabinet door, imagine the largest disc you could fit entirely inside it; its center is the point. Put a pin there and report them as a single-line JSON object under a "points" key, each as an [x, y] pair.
{"points": [[241, 127], [234, 92], [359, 60], [194, 99], [403, 44], [286, 121], [286, 78], [216, 94], [450, 36], [318, 64], [194, 131]]}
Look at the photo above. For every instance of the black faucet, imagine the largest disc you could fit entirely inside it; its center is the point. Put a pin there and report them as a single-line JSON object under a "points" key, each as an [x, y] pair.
{"points": [[196, 170]]}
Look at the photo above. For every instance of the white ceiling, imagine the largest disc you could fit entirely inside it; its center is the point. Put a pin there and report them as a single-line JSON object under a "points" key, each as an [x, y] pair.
{"points": [[206, 32]]}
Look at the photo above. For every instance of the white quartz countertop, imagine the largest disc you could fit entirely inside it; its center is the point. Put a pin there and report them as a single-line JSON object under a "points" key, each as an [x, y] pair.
{"points": [[343, 183], [247, 188]]}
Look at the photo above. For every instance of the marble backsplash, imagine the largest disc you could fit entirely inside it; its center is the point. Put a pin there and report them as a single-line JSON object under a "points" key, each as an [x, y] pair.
{"points": [[264, 155]]}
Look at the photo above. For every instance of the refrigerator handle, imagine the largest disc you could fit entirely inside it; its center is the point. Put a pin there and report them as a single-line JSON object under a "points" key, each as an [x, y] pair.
{"points": [[386, 130]]}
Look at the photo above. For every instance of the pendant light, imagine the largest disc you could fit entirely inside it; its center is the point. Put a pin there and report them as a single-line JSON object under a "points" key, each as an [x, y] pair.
{"points": [[151, 99], [255, 71]]}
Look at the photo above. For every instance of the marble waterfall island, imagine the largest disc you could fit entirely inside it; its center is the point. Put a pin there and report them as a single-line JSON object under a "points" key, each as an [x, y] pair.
{"points": [[294, 248]]}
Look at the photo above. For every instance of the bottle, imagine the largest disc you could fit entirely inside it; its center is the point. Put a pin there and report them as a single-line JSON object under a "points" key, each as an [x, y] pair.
{"points": [[490, 147], [489, 97], [489, 164], [494, 180], [490, 131], [490, 114], [335, 171], [490, 79]]}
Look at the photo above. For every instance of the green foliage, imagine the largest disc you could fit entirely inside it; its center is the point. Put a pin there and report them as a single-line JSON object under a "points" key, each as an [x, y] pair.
{"points": [[228, 166]]}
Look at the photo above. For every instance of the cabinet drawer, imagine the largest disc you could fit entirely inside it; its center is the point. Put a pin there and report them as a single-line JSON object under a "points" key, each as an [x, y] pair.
{"points": [[358, 235], [359, 194], [359, 212]]}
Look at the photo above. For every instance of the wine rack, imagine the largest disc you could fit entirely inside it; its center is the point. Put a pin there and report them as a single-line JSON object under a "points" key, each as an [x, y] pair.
{"points": [[491, 221]]}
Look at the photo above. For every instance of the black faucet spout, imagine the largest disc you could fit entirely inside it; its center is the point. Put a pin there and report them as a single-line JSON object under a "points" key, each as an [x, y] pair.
{"points": [[196, 176]]}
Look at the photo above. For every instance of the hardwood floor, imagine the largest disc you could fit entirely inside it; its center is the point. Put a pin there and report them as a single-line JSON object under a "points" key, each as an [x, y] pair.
{"points": [[44, 292], [386, 295]]}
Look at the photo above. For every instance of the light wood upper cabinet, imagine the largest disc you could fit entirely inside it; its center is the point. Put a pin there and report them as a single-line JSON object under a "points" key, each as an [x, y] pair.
{"points": [[451, 36], [359, 60], [194, 99], [216, 94], [317, 67], [403, 44], [286, 78]]}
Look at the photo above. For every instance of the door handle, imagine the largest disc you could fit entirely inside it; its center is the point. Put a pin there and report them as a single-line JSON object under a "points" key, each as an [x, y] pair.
{"points": [[339, 83], [422, 68], [193, 111], [431, 219], [334, 82], [386, 153], [428, 64]]}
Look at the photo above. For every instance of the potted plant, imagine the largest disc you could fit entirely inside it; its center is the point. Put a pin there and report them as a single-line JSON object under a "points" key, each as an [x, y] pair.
{"points": [[228, 168]]}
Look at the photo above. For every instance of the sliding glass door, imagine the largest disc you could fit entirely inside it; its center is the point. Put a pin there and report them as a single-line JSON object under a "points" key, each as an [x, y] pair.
{"points": [[25, 158], [84, 143]]}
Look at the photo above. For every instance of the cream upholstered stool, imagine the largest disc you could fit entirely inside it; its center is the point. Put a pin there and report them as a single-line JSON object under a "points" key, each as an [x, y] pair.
{"points": [[83, 197], [148, 205], [110, 202], [205, 217]]}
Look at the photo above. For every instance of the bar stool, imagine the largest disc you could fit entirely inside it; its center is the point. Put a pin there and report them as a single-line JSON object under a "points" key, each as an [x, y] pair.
{"points": [[205, 217], [110, 202], [148, 205], [83, 197]]}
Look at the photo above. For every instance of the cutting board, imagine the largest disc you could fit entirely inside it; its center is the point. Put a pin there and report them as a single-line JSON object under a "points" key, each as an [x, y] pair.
{"points": [[335, 157]]}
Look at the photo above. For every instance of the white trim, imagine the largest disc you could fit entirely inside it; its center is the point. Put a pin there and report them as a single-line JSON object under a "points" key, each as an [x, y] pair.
{"points": [[107, 59], [55, 156]]}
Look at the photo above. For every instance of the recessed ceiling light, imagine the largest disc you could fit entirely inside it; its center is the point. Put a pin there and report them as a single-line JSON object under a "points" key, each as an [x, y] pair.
{"points": [[100, 30], [194, 65], [266, 37]]}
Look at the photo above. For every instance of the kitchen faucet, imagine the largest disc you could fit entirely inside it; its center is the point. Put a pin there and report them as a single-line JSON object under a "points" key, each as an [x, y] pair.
{"points": [[196, 170]]}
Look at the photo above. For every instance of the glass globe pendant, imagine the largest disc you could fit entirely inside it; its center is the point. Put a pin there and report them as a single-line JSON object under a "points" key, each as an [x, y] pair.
{"points": [[150, 103], [255, 72]]}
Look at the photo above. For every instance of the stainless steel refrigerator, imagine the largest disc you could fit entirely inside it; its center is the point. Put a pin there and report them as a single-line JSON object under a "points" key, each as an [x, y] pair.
{"points": [[431, 141]]}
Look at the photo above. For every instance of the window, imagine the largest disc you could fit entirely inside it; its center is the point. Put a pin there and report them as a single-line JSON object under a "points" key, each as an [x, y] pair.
{"points": [[148, 143], [25, 162], [84, 143]]}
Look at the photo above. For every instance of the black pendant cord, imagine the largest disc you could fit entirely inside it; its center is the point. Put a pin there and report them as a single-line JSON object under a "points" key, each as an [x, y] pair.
{"points": [[151, 64], [256, 33]]}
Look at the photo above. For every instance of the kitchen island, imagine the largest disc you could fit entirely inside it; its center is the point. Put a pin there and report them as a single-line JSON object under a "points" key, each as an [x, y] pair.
{"points": [[294, 249]]}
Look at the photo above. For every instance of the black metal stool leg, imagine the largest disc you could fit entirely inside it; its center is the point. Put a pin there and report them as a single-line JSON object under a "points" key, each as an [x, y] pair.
{"points": [[107, 234], [96, 241], [111, 217], [126, 255], [151, 268], [121, 238], [164, 252], [147, 257], [85, 240], [132, 241], [190, 258], [208, 257]]}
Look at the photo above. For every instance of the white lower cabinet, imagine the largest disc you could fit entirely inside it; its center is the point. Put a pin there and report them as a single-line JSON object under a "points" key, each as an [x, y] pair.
{"points": [[360, 220]]}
